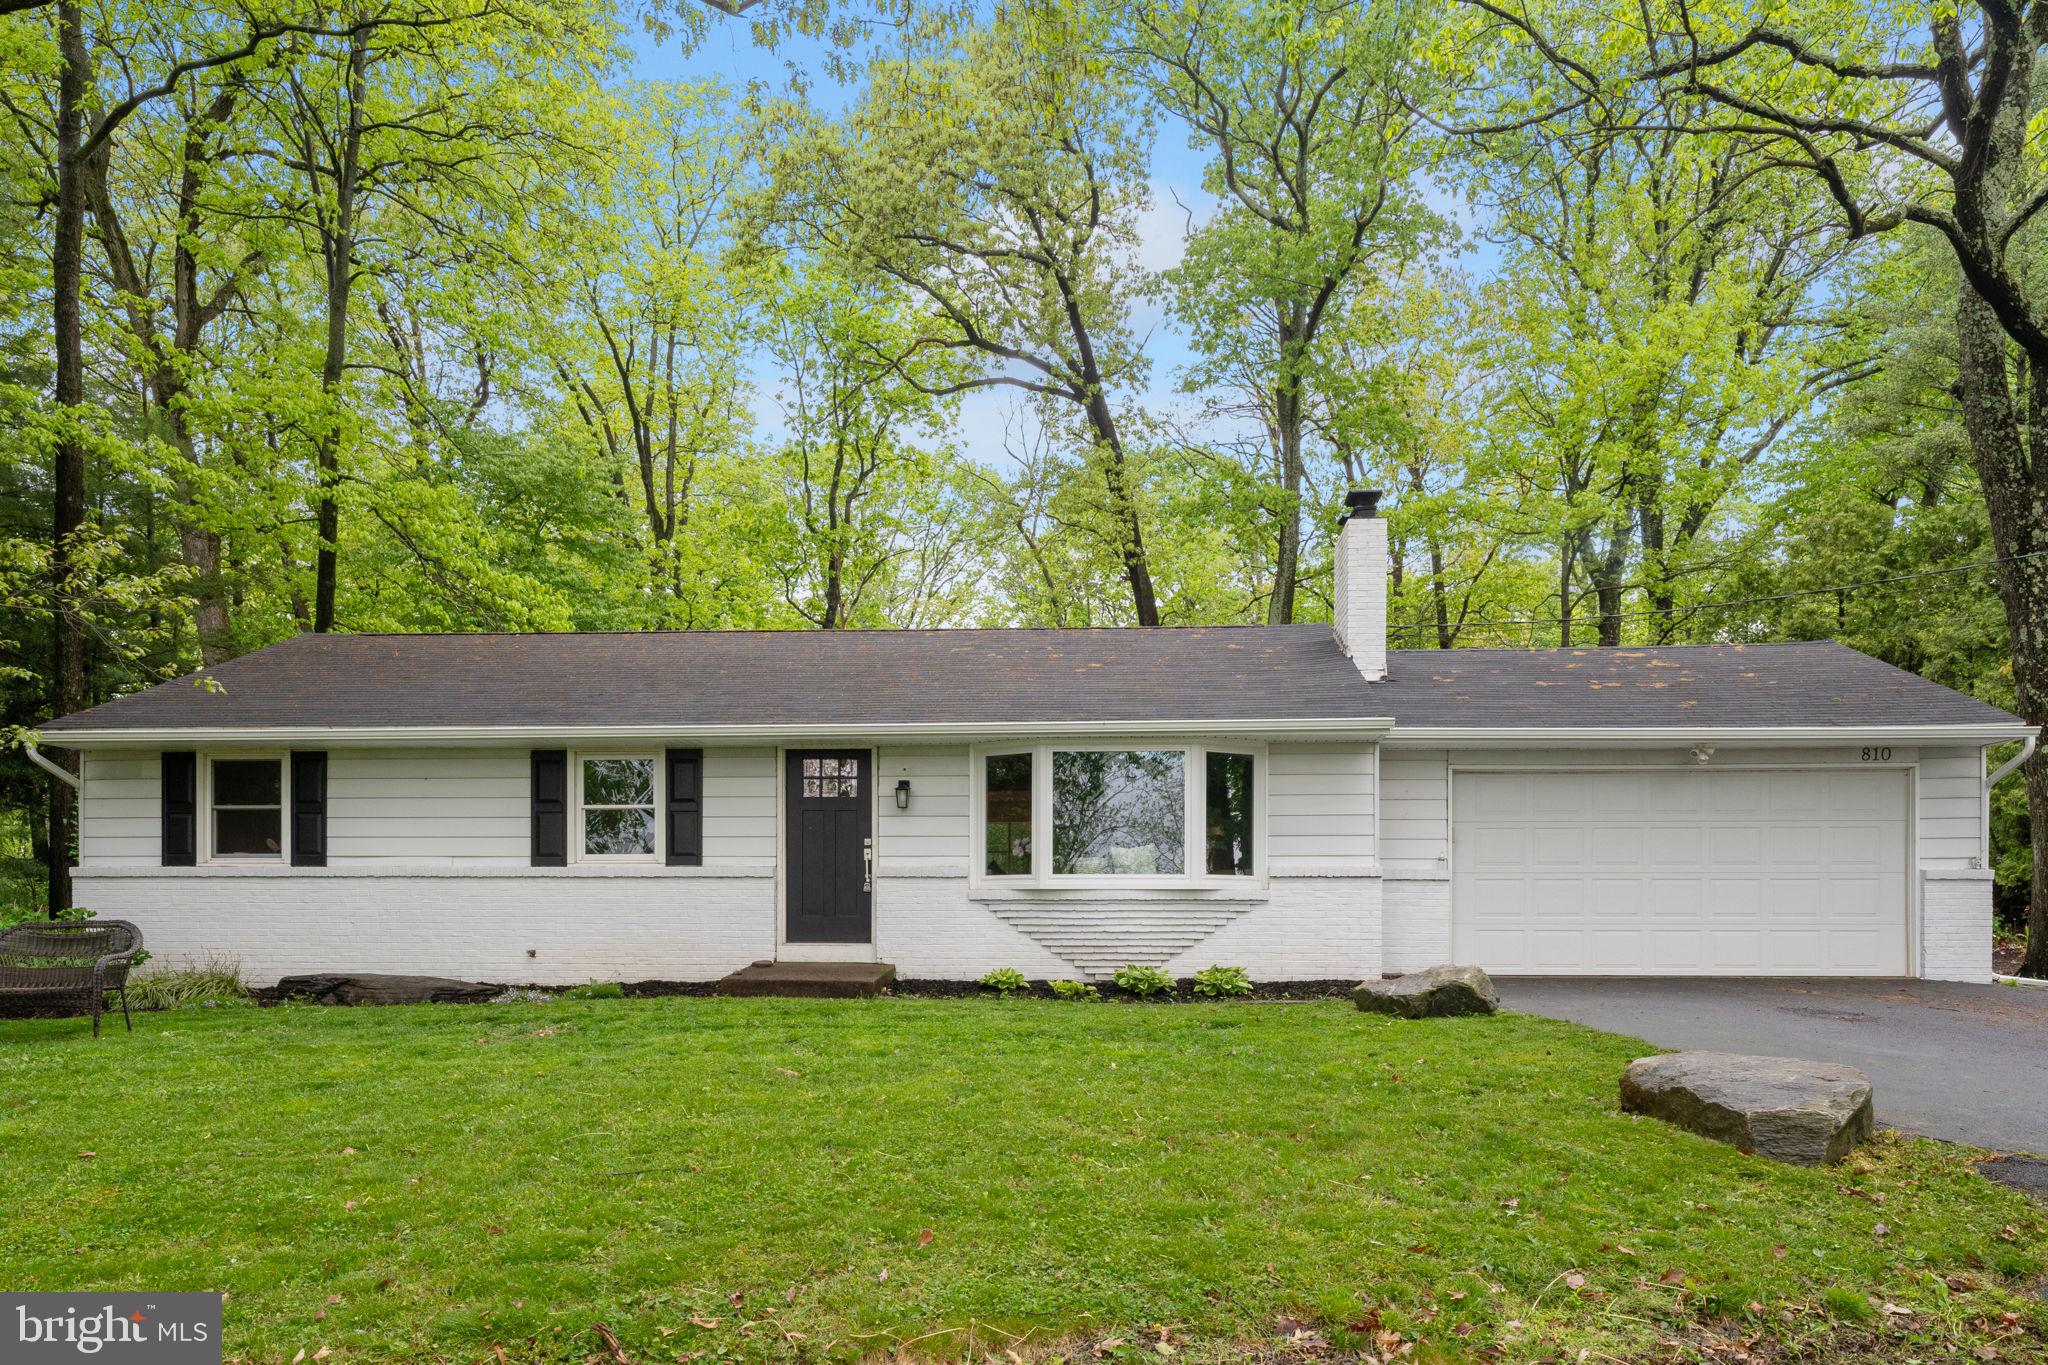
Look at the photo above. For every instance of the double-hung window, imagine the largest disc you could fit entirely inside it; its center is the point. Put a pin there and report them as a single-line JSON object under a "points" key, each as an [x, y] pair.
{"points": [[246, 809], [616, 807], [1136, 814]]}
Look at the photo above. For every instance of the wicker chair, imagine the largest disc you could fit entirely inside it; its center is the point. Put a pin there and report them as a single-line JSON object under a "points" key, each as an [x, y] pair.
{"points": [[70, 961]]}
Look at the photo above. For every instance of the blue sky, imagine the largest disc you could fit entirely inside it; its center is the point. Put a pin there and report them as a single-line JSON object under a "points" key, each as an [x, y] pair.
{"points": [[728, 53]]}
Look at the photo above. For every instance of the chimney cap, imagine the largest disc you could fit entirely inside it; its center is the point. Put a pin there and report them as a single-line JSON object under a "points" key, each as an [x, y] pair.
{"points": [[1362, 502]]}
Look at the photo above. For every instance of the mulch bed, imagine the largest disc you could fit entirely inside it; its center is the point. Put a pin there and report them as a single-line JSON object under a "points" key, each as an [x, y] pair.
{"points": [[1183, 993]]}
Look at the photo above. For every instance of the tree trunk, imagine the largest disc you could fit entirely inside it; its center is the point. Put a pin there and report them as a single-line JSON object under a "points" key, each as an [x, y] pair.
{"points": [[340, 254], [1137, 570], [2015, 485], [1287, 427], [67, 270]]}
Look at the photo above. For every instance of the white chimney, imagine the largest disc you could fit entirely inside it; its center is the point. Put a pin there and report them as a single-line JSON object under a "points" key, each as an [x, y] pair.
{"points": [[1361, 623]]}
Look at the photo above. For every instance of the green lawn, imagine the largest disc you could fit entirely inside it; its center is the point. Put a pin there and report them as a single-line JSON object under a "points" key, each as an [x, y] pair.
{"points": [[756, 1178]]}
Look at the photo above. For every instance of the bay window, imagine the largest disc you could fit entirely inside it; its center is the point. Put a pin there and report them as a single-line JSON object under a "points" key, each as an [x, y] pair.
{"points": [[1117, 814]]}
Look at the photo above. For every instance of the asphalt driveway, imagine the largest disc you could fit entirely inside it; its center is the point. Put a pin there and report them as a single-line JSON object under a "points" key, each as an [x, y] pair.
{"points": [[1947, 1060]]}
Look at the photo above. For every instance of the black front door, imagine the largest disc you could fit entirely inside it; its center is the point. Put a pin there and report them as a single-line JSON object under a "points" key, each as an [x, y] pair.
{"points": [[831, 854]]}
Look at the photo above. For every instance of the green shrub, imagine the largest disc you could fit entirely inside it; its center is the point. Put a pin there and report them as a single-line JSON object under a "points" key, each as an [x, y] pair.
{"points": [[596, 990], [1074, 990], [1004, 980], [1846, 1305], [215, 982], [1143, 981], [1222, 981]]}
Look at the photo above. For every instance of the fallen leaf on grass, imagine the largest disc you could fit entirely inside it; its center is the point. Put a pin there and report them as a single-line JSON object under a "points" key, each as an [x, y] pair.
{"points": [[334, 1298], [708, 1324], [924, 1237], [1898, 1312], [1672, 1276], [88, 1155], [322, 1353], [1778, 1252], [1575, 1281], [1880, 1230]]}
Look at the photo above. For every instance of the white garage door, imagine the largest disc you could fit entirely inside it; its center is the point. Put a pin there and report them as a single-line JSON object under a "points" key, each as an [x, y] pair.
{"points": [[1680, 872]]}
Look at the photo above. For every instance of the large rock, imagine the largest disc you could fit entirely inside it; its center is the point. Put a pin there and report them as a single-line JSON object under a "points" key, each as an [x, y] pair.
{"points": [[1429, 994], [384, 990], [1807, 1113]]}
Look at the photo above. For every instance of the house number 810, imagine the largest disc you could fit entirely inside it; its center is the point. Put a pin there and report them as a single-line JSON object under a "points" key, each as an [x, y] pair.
{"points": [[1880, 755]]}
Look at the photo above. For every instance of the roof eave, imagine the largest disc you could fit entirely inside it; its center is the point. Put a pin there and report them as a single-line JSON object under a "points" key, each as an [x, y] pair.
{"points": [[283, 736], [1484, 736]]}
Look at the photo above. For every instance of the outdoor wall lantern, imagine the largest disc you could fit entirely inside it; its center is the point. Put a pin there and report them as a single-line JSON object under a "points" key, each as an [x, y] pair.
{"points": [[902, 793]]}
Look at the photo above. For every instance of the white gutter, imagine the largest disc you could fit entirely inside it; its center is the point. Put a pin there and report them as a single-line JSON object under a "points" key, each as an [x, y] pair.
{"points": [[1993, 733], [67, 778], [1360, 727]]}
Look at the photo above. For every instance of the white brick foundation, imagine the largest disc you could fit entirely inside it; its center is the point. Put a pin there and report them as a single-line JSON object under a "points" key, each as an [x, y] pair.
{"points": [[1418, 922], [1955, 925], [478, 926]]}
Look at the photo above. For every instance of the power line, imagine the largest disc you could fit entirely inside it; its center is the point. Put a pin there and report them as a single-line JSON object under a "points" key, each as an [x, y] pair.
{"points": [[1731, 601]]}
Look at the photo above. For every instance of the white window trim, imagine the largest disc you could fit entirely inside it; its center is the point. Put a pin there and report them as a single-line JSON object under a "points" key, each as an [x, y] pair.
{"points": [[579, 854], [1195, 842], [284, 809]]}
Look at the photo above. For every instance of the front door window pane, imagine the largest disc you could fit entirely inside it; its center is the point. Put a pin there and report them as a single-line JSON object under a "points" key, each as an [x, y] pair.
{"points": [[1007, 815], [1229, 815], [1118, 812]]}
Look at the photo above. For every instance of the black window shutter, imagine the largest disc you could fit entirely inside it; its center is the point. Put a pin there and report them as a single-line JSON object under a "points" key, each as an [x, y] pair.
{"points": [[181, 808], [309, 808], [686, 808], [550, 808]]}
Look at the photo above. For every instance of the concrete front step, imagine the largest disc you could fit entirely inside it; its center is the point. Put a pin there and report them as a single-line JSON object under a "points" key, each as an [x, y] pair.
{"points": [[810, 980]]}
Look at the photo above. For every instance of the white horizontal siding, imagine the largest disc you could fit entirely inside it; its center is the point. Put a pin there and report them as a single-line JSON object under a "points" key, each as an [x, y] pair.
{"points": [[739, 805], [428, 806], [936, 828], [1319, 804], [1415, 809], [120, 811], [1951, 808]]}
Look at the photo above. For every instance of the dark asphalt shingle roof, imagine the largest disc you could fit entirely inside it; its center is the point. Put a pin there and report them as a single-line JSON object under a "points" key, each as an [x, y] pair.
{"points": [[1020, 677]]}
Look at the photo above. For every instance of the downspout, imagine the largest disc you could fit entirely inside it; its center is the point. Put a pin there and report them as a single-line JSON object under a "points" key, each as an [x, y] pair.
{"points": [[71, 779]]}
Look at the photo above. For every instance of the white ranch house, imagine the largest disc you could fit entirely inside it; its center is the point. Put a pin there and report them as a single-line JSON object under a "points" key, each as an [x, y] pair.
{"points": [[1297, 800]]}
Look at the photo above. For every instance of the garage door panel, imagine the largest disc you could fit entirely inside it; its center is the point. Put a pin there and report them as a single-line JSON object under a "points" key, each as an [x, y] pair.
{"points": [[1559, 846], [1554, 795], [1735, 950], [1675, 846], [1674, 950], [1623, 796], [1735, 846], [1740, 794], [1681, 871], [1616, 847], [1674, 794]]}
